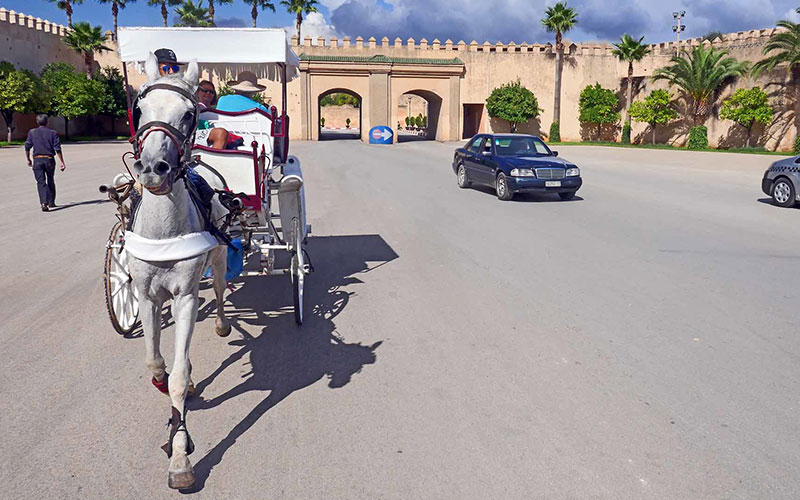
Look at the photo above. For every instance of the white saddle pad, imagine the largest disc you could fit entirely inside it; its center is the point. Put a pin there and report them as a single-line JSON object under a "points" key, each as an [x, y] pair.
{"points": [[179, 248]]}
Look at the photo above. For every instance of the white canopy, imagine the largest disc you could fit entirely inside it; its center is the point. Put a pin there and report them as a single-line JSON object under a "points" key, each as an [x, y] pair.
{"points": [[226, 51]]}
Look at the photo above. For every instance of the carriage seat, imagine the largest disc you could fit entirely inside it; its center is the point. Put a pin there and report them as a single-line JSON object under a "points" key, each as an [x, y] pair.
{"points": [[251, 125]]}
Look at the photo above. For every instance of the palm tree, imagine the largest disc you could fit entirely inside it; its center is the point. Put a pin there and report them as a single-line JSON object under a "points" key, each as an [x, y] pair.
{"points": [[783, 48], [631, 50], [559, 19], [66, 6], [300, 7], [115, 6], [211, 10], [163, 4], [700, 73], [256, 4], [192, 15], [86, 40]]}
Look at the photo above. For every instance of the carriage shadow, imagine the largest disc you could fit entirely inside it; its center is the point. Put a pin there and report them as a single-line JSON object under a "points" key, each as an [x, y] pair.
{"points": [[284, 358]]}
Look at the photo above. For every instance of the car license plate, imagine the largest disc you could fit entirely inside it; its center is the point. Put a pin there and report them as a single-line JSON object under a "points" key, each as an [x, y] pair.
{"points": [[552, 184]]}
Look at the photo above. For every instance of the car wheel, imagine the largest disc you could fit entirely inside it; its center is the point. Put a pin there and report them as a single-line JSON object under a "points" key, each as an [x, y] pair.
{"points": [[463, 180], [783, 192], [501, 186], [567, 196]]}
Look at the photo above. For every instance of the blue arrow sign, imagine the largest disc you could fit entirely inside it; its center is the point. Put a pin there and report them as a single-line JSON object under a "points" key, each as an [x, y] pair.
{"points": [[380, 135]]}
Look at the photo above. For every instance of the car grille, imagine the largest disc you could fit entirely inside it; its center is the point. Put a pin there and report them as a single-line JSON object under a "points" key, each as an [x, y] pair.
{"points": [[550, 173]]}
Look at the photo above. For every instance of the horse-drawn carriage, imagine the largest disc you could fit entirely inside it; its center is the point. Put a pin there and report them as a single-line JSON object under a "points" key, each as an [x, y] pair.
{"points": [[193, 201], [257, 174]]}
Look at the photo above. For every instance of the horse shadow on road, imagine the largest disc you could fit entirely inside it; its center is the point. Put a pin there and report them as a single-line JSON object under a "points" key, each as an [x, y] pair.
{"points": [[284, 358]]}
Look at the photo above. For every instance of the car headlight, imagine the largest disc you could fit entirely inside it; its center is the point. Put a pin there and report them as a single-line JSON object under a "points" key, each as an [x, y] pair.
{"points": [[522, 172], [573, 172]]}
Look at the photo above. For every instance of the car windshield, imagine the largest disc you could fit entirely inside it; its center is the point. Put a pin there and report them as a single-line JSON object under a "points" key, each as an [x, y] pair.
{"points": [[520, 146]]}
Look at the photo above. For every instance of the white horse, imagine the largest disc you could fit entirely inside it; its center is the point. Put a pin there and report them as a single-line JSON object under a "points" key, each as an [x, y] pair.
{"points": [[165, 221]]}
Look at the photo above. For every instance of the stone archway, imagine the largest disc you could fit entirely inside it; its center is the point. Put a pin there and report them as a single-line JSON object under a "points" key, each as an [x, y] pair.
{"points": [[379, 81], [338, 127], [432, 113]]}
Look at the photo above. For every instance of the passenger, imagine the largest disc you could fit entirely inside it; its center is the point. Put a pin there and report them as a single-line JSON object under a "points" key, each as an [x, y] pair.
{"points": [[206, 95], [218, 137], [244, 88]]}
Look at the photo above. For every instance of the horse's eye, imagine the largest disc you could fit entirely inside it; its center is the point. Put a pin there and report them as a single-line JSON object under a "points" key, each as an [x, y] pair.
{"points": [[188, 116]]}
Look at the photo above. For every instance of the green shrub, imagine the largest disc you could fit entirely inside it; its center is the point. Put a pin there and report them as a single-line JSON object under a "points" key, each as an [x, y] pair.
{"points": [[514, 103], [322, 121], [797, 145], [698, 137], [555, 132], [347, 122], [626, 133]]}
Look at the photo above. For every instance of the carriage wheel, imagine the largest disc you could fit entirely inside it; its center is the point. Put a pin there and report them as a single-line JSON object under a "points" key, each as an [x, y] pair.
{"points": [[298, 273], [122, 299]]}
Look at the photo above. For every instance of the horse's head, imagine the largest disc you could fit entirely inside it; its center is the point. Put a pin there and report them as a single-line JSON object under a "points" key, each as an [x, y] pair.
{"points": [[165, 114]]}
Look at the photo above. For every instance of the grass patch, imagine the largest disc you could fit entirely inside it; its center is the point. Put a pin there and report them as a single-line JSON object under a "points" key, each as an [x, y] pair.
{"points": [[751, 151], [4, 144]]}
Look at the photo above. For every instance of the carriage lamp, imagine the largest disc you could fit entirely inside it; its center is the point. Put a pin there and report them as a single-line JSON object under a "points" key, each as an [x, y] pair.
{"points": [[573, 172], [522, 172]]}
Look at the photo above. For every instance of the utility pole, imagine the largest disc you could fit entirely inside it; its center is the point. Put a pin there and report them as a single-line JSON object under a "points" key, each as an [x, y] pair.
{"points": [[678, 28]]}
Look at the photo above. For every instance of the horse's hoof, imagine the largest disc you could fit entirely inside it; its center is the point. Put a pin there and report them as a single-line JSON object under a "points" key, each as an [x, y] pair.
{"points": [[223, 329], [182, 476], [181, 480], [163, 384]]}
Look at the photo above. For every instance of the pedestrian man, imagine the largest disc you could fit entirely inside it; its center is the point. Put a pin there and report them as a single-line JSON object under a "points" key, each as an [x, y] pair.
{"points": [[45, 144]]}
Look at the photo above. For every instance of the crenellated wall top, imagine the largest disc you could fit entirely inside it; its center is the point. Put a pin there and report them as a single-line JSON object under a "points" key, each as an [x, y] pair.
{"points": [[739, 39], [30, 22]]}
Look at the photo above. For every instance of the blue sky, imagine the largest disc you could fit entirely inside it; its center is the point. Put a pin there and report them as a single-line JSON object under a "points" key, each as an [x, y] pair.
{"points": [[493, 20]]}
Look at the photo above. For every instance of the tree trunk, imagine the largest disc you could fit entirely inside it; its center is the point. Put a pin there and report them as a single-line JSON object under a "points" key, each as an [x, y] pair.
{"points": [[630, 91], [211, 12], [114, 13], [557, 89], [68, 10], [654, 132], [88, 60], [599, 131], [66, 127], [254, 14], [164, 12], [8, 116], [747, 137], [299, 22], [796, 81], [513, 127]]}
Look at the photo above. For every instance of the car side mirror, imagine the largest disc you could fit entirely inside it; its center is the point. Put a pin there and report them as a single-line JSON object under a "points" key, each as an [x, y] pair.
{"points": [[555, 153], [486, 153]]}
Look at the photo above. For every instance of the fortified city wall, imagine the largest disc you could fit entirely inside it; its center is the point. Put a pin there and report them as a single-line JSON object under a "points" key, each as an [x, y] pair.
{"points": [[32, 43]]}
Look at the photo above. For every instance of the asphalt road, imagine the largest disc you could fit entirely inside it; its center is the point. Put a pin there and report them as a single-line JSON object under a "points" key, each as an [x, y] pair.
{"points": [[639, 342]]}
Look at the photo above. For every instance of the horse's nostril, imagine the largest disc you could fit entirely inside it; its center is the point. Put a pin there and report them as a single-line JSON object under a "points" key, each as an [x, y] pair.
{"points": [[161, 168], [137, 165]]}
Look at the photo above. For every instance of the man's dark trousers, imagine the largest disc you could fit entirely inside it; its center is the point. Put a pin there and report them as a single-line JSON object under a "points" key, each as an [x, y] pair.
{"points": [[44, 170]]}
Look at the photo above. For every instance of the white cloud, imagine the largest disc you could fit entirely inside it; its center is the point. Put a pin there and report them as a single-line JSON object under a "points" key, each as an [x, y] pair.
{"points": [[792, 16], [314, 25]]}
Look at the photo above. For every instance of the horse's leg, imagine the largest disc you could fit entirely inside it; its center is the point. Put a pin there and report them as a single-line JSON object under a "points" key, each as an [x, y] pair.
{"points": [[150, 312], [181, 475], [219, 259]]}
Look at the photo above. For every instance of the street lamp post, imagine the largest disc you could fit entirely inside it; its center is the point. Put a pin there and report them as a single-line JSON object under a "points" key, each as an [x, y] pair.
{"points": [[678, 28]]}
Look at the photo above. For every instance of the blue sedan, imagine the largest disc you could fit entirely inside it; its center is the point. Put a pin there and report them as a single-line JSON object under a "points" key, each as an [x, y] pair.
{"points": [[515, 163]]}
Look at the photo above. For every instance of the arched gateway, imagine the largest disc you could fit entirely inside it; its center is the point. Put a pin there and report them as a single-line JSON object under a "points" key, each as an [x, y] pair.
{"points": [[380, 81]]}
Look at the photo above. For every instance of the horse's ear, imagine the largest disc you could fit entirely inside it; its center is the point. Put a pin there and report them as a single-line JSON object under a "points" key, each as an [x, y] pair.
{"points": [[151, 68], [192, 73]]}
